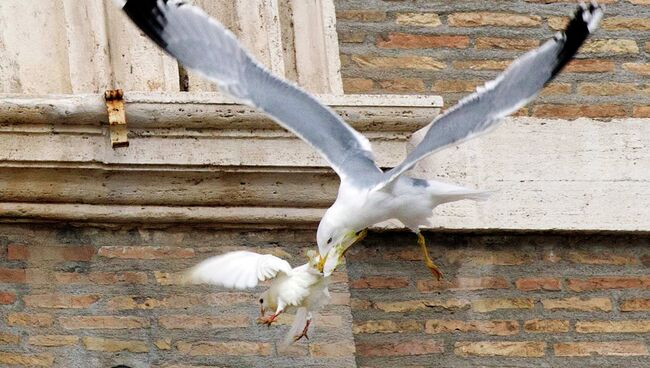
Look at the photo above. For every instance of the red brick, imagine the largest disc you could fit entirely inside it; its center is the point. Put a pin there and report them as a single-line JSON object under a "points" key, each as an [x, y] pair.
{"points": [[418, 19], [102, 322], [332, 350], [53, 340], [184, 321], [386, 326], [102, 278], [30, 319], [111, 345], [546, 326], [398, 62], [12, 275], [409, 85], [635, 305], [481, 64], [43, 253], [217, 348], [494, 304], [7, 297], [60, 301], [610, 46], [9, 339], [463, 283], [357, 85], [521, 44], [608, 348], [581, 304], [415, 305], [627, 326], [145, 252], [352, 37], [598, 258], [496, 328], [608, 89], [361, 15], [641, 112], [455, 86], [609, 282], [500, 348], [417, 41], [404, 348], [538, 283], [379, 282], [621, 24], [638, 68], [578, 111], [479, 19], [28, 360], [478, 257], [556, 88], [589, 66]]}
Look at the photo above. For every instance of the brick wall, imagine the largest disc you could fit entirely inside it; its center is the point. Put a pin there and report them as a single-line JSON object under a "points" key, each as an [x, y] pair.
{"points": [[87, 297], [450, 47], [92, 297], [506, 301]]}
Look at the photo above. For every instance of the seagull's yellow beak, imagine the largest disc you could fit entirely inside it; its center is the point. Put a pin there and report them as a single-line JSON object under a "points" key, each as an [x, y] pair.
{"points": [[335, 255]]}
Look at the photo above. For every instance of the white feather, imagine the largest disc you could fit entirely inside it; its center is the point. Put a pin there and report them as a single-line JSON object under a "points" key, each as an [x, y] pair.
{"points": [[239, 269]]}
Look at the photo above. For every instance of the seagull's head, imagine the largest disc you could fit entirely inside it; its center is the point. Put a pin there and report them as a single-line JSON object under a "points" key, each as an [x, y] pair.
{"points": [[333, 240]]}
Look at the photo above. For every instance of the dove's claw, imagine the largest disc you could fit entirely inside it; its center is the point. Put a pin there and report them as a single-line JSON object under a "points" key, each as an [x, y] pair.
{"points": [[303, 333], [268, 320]]}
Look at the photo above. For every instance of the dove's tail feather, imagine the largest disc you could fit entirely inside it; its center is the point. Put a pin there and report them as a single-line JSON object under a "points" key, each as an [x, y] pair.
{"points": [[296, 327]]}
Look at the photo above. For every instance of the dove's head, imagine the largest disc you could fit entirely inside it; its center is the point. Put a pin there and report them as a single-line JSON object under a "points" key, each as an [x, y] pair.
{"points": [[266, 302]]}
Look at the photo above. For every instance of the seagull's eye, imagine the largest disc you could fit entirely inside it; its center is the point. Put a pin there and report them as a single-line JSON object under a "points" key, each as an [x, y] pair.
{"points": [[261, 301], [329, 240]]}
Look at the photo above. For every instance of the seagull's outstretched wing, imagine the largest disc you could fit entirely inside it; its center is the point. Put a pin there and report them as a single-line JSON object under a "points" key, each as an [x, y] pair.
{"points": [[513, 89], [238, 270], [202, 44]]}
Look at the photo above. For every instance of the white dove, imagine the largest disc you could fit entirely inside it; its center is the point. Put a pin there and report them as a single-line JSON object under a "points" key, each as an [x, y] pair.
{"points": [[302, 287], [367, 194]]}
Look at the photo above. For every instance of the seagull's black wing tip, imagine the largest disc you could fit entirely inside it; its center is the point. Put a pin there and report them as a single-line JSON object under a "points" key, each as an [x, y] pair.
{"points": [[149, 16], [584, 21]]}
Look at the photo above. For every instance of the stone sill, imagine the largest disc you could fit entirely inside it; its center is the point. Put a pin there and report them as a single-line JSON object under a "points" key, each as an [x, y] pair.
{"points": [[199, 159]]}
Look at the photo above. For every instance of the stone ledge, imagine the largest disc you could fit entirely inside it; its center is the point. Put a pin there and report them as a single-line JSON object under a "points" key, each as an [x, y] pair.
{"points": [[230, 165]]}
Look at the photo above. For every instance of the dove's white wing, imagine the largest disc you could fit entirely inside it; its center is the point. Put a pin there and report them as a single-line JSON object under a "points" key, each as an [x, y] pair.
{"points": [[239, 269]]}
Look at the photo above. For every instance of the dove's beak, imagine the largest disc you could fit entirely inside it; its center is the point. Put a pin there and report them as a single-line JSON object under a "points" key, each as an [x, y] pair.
{"points": [[335, 255]]}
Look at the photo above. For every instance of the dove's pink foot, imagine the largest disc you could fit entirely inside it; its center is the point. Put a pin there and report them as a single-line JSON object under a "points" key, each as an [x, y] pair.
{"points": [[267, 320], [303, 333]]}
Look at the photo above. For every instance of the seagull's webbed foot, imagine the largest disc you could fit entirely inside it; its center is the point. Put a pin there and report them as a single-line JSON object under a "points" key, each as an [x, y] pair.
{"points": [[268, 320], [303, 333], [427, 260]]}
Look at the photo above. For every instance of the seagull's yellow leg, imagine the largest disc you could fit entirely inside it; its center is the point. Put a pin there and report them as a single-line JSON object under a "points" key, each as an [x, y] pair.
{"points": [[427, 260]]}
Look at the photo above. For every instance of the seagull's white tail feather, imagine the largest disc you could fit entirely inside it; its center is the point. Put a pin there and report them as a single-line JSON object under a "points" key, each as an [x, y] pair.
{"points": [[445, 193], [298, 324]]}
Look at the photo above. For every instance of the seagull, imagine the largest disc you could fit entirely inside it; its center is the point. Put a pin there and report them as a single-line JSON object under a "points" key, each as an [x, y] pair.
{"points": [[367, 195], [303, 288]]}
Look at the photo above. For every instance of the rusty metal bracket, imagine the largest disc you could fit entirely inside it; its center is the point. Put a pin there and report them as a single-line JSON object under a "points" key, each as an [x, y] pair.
{"points": [[116, 118]]}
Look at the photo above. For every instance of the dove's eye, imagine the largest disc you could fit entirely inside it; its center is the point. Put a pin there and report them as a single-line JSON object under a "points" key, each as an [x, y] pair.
{"points": [[261, 301], [329, 240]]}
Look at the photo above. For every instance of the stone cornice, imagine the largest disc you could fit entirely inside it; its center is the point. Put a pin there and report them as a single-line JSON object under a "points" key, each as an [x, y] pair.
{"points": [[200, 159]]}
